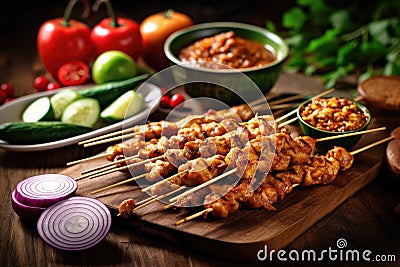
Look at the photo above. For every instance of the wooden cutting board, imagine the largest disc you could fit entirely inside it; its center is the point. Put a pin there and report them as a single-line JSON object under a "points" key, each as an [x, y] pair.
{"points": [[244, 233]]}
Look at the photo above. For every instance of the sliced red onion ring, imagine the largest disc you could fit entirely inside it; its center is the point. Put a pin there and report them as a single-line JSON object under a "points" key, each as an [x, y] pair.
{"points": [[76, 223], [25, 212], [45, 190]]}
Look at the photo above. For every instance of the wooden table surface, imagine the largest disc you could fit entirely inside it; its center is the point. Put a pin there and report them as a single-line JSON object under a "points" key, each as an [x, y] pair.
{"points": [[366, 221]]}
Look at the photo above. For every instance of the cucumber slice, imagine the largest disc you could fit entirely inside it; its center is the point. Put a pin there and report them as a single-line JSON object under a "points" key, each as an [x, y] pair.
{"points": [[84, 112], [125, 106], [38, 110], [61, 100], [28, 133]]}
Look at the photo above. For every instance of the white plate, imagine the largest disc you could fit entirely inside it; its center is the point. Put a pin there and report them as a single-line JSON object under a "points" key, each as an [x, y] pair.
{"points": [[12, 112]]}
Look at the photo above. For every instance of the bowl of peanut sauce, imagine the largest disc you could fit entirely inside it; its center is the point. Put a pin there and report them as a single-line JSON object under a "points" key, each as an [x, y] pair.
{"points": [[327, 116], [228, 61]]}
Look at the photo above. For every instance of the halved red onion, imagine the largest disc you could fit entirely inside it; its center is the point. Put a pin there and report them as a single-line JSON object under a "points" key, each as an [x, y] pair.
{"points": [[76, 223], [45, 190], [25, 212]]}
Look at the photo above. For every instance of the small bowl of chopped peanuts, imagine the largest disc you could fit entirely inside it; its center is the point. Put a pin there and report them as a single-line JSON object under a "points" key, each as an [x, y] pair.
{"points": [[323, 117]]}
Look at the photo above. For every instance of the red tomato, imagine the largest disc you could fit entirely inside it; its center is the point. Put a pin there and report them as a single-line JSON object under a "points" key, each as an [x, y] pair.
{"points": [[61, 40], [8, 89], [165, 99], [116, 33], [73, 73], [124, 37], [52, 86], [40, 83], [176, 99], [155, 29]]}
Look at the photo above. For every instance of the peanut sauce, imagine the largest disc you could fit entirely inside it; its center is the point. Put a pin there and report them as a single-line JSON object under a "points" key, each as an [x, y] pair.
{"points": [[333, 114], [227, 49]]}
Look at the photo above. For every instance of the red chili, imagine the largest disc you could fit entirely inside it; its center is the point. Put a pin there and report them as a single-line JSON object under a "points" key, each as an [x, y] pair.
{"points": [[116, 33]]}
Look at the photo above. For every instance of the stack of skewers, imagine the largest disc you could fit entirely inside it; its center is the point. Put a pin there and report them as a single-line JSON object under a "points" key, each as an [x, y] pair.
{"points": [[221, 161]]}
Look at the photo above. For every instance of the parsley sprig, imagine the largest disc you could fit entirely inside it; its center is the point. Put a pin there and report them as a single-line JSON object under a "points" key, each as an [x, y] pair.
{"points": [[338, 38]]}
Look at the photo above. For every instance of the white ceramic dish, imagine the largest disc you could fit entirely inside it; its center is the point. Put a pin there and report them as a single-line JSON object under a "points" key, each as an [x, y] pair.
{"points": [[12, 112]]}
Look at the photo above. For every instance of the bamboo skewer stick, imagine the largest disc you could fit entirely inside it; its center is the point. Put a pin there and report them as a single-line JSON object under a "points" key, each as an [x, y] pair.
{"points": [[284, 106], [120, 183], [196, 215], [87, 159], [349, 134], [157, 198], [112, 139], [372, 145], [290, 98], [109, 164], [295, 110], [203, 184], [287, 122], [99, 172], [164, 180], [108, 135]]}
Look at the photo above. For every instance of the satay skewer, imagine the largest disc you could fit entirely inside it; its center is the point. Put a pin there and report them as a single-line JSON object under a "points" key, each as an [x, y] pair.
{"points": [[164, 180], [100, 172], [242, 112], [328, 138], [208, 210], [200, 186], [256, 102]]}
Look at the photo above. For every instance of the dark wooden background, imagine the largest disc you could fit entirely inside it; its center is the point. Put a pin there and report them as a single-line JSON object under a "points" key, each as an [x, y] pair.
{"points": [[366, 221]]}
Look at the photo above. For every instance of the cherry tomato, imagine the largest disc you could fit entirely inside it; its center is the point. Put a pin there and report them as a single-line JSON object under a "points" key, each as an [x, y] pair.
{"points": [[53, 86], [154, 30], [3, 97], [165, 99], [8, 89], [176, 99], [73, 73], [9, 99], [40, 83]]}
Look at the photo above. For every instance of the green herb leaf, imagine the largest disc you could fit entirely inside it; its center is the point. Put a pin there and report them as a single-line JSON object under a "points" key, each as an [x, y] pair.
{"points": [[340, 19], [294, 18]]}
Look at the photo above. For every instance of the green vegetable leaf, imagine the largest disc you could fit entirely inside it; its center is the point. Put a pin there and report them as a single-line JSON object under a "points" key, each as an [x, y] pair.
{"points": [[340, 19], [294, 18], [344, 54], [334, 39], [269, 25], [318, 43]]}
